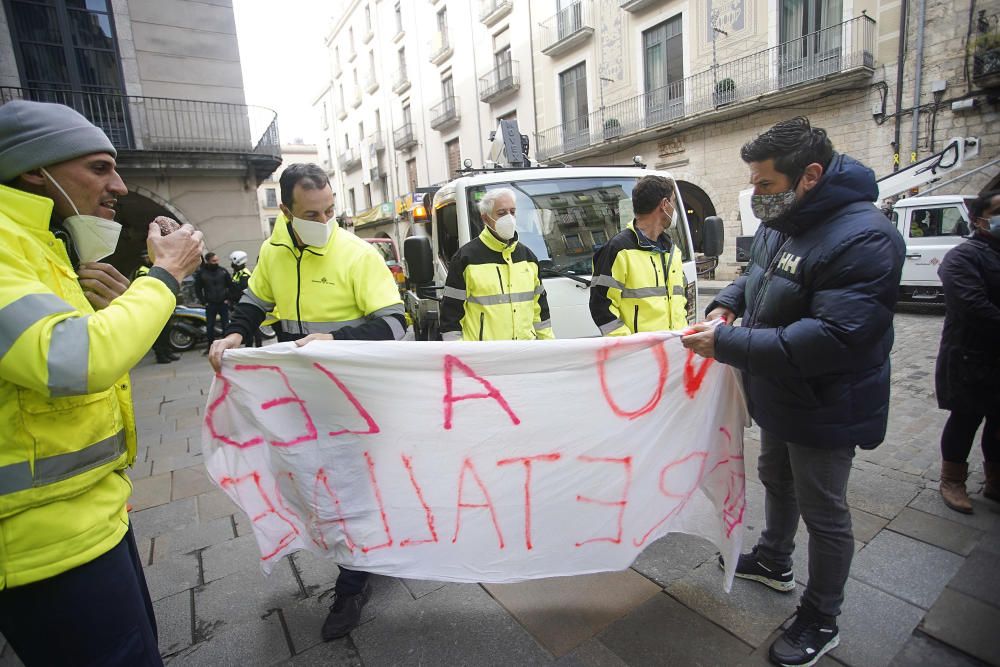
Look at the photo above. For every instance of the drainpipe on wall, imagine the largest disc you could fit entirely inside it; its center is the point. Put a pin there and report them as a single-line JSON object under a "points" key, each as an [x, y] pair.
{"points": [[534, 89], [900, 62], [918, 72], [475, 83]]}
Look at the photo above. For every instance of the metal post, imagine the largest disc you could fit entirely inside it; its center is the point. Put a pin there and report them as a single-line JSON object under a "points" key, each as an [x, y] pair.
{"points": [[715, 64]]}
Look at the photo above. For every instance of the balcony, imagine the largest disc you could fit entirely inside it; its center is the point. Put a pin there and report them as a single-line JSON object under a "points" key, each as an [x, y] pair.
{"points": [[835, 58], [369, 34], [401, 82], [633, 6], [404, 137], [491, 11], [350, 159], [371, 82], [568, 29], [444, 114], [358, 96], [985, 47], [184, 130], [400, 33], [341, 111], [499, 83], [439, 48], [376, 142]]}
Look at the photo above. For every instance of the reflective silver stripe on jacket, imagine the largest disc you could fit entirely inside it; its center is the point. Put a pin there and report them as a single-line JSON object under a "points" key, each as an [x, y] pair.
{"points": [[606, 281], [254, 300], [51, 469], [394, 309], [611, 326], [678, 290], [69, 352], [644, 292], [540, 290], [498, 299], [18, 316], [544, 324], [453, 293]]}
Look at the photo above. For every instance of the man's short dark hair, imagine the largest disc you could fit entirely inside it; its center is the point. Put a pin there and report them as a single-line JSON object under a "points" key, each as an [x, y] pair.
{"points": [[209, 256], [309, 176], [649, 191], [793, 145], [981, 203]]}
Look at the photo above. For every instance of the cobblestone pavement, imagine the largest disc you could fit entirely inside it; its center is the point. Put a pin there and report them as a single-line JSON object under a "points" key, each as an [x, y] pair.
{"points": [[924, 587]]}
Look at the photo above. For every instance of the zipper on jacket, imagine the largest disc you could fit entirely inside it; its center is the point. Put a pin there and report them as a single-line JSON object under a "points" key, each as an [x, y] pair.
{"points": [[666, 286], [765, 283], [298, 289], [635, 322], [482, 324], [500, 278]]}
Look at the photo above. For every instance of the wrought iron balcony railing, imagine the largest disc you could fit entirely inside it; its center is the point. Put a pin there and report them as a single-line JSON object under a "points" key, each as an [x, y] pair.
{"points": [[840, 49], [376, 141], [499, 82], [444, 113], [349, 159], [491, 11], [401, 82], [568, 28], [404, 137], [166, 124], [439, 48]]}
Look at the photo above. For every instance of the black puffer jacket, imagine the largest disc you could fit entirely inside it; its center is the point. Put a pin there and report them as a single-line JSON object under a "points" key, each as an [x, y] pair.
{"points": [[817, 306], [212, 283], [968, 366]]}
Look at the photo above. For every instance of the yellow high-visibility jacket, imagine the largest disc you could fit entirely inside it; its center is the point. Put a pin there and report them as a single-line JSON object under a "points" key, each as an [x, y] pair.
{"points": [[343, 285], [493, 292], [68, 430], [637, 286]]}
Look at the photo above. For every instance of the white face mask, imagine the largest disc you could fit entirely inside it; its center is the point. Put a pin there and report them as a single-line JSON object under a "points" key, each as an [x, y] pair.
{"points": [[673, 217], [94, 238], [505, 226], [312, 233]]}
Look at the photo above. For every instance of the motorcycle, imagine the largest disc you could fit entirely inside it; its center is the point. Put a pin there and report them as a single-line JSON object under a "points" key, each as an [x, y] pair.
{"points": [[188, 327]]}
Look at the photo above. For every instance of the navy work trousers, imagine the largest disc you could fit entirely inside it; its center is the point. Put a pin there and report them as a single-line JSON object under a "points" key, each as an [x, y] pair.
{"points": [[97, 614]]}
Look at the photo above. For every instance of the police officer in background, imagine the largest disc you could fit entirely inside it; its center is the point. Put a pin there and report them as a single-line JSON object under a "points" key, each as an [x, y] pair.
{"points": [[241, 280], [161, 348], [493, 291], [325, 284], [72, 589]]}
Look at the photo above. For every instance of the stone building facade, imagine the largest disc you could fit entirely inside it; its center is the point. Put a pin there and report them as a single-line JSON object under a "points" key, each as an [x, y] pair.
{"points": [[616, 79], [163, 79], [415, 87]]}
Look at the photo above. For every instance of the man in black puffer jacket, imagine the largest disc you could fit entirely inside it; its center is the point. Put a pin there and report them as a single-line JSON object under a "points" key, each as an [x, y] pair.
{"points": [[817, 306], [212, 285]]}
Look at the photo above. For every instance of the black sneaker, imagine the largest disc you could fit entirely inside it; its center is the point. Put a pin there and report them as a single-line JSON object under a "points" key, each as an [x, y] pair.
{"points": [[345, 612], [806, 640], [753, 567]]}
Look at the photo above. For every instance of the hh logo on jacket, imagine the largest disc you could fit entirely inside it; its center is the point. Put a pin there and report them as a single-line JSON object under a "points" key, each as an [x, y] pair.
{"points": [[789, 263]]}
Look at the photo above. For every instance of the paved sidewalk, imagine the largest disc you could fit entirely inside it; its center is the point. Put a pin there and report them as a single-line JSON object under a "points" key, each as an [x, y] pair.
{"points": [[924, 587]]}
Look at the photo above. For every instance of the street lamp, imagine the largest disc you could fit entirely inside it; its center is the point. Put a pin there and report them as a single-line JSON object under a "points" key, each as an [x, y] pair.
{"points": [[715, 74]]}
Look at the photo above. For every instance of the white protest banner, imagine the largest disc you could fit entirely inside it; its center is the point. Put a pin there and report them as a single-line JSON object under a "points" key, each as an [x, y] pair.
{"points": [[479, 462]]}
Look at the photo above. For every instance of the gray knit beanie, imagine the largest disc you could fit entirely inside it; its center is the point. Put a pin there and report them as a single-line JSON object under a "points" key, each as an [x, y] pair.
{"points": [[39, 134]]}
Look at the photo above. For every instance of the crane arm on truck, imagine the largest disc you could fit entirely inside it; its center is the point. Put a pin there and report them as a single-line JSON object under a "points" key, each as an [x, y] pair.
{"points": [[930, 169]]}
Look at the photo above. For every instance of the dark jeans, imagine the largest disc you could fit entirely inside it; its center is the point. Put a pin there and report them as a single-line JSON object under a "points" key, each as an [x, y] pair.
{"points": [[810, 481], [350, 582], [97, 614], [959, 432], [161, 346], [211, 310]]}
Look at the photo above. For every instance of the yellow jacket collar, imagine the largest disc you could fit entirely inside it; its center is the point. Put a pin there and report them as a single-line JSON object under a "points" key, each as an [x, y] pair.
{"points": [[26, 209], [495, 244], [282, 235]]}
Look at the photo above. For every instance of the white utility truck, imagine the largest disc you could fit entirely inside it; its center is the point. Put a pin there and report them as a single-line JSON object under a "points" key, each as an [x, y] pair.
{"points": [[563, 215]]}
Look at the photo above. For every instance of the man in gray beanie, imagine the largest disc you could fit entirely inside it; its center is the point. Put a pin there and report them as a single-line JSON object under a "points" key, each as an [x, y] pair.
{"points": [[68, 558]]}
